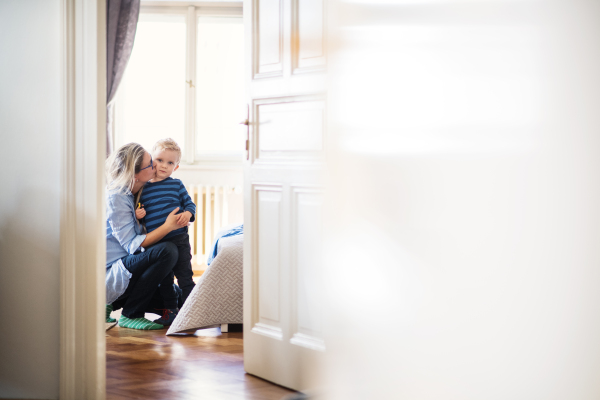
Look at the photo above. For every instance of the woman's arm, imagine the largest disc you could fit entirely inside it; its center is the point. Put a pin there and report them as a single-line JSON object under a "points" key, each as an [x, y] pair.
{"points": [[160, 232], [120, 216]]}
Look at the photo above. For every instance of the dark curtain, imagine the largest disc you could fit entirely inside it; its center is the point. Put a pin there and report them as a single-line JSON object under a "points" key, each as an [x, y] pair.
{"points": [[121, 22]]}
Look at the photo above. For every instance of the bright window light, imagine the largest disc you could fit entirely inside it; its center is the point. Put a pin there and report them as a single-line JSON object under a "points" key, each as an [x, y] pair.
{"points": [[220, 102], [153, 88]]}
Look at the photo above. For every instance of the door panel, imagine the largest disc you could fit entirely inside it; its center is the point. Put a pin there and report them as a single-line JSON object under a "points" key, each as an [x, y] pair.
{"points": [[269, 220], [295, 126], [269, 41], [308, 269], [283, 339], [308, 26]]}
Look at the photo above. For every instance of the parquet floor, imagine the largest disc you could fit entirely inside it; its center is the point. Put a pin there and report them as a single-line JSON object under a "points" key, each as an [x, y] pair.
{"points": [[204, 365]]}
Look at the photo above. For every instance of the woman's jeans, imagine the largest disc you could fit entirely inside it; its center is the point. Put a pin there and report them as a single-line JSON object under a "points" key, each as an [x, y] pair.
{"points": [[149, 269]]}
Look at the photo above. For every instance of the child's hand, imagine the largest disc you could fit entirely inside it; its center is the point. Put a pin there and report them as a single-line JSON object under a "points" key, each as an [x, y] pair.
{"points": [[184, 218], [140, 213]]}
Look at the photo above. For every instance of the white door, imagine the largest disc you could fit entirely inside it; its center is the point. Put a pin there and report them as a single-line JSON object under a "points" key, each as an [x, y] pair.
{"points": [[285, 75]]}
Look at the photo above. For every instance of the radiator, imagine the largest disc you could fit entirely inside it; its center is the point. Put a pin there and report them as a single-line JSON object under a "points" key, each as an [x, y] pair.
{"points": [[212, 213]]}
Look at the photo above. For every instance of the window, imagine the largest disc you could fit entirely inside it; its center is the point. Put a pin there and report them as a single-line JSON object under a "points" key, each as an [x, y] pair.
{"points": [[185, 80], [219, 75]]}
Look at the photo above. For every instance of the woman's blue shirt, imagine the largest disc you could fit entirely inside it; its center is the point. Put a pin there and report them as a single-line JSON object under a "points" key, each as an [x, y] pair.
{"points": [[123, 237]]}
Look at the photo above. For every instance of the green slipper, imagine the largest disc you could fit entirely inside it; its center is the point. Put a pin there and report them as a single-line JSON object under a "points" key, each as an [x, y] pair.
{"points": [[108, 311], [138, 323]]}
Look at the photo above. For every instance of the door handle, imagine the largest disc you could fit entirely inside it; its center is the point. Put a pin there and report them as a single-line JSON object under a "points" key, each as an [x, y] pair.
{"points": [[247, 123]]}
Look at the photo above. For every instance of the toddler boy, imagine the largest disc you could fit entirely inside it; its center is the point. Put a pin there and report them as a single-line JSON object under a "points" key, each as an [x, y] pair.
{"points": [[159, 197]]}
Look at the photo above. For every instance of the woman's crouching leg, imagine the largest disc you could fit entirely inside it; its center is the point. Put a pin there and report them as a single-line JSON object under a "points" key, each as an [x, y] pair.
{"points": [[148, 269]]}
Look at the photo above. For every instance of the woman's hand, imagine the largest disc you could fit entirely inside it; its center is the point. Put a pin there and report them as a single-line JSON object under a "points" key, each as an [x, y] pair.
{"points": [[171, 222]]}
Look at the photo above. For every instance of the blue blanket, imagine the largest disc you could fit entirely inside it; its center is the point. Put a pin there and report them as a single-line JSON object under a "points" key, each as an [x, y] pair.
{"points": [[236, 230]]}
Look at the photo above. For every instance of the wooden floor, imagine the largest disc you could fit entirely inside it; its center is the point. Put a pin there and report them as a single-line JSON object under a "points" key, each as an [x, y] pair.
{"points": [[204, 365]]}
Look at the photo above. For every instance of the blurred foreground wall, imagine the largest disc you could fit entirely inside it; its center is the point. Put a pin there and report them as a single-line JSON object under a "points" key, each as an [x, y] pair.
{"points": [[30, 137], [463, 224]]}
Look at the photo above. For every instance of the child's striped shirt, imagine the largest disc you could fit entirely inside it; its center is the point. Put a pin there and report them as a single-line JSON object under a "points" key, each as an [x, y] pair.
{"points": [[160, 198]]}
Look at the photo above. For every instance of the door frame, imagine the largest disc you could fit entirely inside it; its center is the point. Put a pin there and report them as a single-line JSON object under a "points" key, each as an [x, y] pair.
{"points": [[82, 372]]}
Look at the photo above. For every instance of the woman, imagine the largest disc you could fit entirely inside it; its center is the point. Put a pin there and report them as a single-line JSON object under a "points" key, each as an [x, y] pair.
{"points": [[134, 267]]}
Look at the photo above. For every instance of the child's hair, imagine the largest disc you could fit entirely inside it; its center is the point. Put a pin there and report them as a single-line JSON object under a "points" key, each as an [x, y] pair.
{"points": [[122, 165], [167, 144]]}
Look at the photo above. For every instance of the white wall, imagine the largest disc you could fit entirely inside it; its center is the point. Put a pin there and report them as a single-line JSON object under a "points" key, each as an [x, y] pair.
{"points": [[30, 121]]}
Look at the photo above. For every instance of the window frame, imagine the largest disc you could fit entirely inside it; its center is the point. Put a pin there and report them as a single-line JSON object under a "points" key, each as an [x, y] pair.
{"points": [[230, 9]]}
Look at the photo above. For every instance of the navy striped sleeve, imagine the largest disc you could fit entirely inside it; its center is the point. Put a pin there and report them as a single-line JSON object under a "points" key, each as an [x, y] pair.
{"points": [[187, 202]]}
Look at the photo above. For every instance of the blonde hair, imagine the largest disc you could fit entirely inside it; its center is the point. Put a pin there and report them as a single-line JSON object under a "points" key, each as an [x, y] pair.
{"points": [[122, 165], [167, 144]]}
